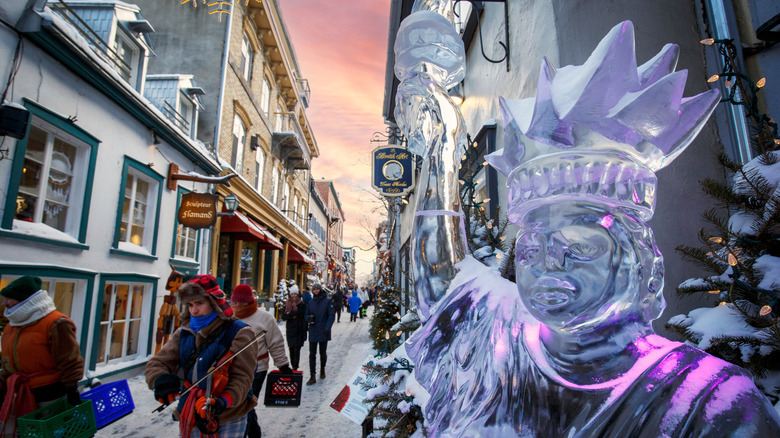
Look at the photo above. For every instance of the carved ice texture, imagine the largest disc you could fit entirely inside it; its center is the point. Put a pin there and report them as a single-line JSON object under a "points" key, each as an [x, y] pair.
{"points": [[575, 354], [429, 58]]}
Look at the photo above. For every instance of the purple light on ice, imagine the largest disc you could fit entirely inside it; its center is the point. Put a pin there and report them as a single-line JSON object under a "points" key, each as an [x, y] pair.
{"points": [[607, 221]]}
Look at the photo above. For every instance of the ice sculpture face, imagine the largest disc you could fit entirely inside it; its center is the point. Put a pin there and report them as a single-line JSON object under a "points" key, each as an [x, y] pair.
{"points": [[427, 42], [575, 265]]}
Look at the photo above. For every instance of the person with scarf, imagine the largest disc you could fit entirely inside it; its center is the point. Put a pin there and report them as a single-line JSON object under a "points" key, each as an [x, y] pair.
{"points": [[41, 359], [244, 306], [209, 335], [320, 315], [296, 327]]}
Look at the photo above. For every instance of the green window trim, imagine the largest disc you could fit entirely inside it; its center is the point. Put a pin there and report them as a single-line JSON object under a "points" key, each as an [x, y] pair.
{"points": [[127, 278], [59, 122], [61, 272], [148, 172], [174, 259], [131, 254], [55, 242]]}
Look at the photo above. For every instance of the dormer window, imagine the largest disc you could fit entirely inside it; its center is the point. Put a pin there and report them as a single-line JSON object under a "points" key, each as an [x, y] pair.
{"points": [[127, 52]]}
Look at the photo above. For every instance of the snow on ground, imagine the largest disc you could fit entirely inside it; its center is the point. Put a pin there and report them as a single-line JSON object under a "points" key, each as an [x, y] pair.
{"points": [[313, 418]]}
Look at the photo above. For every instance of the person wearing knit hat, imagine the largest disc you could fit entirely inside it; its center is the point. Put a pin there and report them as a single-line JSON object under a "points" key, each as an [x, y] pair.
{"points": [[209, 334], [40, 343], [245, 308]]}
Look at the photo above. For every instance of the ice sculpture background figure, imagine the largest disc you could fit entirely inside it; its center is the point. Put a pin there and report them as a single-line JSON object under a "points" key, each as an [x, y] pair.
{"points": [[429, 58], [580, 161]]}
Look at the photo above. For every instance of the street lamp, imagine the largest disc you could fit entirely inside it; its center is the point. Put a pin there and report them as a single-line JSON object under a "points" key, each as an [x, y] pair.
{"points": [[231, 205]]}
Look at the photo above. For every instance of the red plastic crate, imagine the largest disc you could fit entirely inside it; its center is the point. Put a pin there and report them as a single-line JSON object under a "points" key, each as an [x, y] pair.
{"points": [[283, 390]]}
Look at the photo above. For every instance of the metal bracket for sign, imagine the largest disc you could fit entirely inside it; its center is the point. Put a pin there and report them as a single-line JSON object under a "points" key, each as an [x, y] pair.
{"points": [[174, 175], [476, 9]]}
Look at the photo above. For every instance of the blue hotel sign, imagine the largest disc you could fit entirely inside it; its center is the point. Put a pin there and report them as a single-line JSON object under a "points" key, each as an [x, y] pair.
{"points": [[392, 173]]}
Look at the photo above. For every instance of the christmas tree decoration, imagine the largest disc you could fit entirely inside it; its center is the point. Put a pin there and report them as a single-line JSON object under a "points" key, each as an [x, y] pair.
{"points": [[740, 247]]}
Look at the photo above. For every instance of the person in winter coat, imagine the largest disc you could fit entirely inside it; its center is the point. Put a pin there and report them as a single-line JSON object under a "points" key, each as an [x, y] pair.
{"points": [[296, 327], [364, 302], [320, 316], [338, 303], [209, 335], [41, 360], [244, 307], [354, 306]]}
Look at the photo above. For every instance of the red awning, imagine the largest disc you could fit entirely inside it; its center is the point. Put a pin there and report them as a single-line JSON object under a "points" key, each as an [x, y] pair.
{"points": [[244, 228], [294, 255]]}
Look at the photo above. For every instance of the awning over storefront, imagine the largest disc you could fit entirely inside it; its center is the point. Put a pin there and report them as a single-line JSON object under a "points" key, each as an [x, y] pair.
{"points": [[244, 228], [294, 255]]}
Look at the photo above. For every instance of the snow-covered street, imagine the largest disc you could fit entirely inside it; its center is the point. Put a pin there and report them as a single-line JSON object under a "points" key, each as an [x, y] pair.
{"points": [[314, 418]]}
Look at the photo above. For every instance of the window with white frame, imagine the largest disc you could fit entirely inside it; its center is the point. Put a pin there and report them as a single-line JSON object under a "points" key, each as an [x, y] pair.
{"points": [[52, 184], [280, 118], [121, 320], [295, 202], [259, 169], [128, 57], [265, 96], [239, 139], [68, 294], [187, 111], [285, 196], [275, 177], [137, 226], [247, 57]]}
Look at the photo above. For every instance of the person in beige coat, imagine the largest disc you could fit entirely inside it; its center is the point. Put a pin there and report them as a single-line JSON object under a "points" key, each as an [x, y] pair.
{"points": [[245, 308], [209, 334]]}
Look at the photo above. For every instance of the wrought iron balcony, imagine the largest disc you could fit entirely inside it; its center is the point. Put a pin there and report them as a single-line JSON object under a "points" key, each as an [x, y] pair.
{"points": [[289, 142]]}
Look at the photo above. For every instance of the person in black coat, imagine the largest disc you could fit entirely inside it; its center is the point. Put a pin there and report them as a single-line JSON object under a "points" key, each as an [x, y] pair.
{"points": [[296, 327], [320, 316], [338, 303]]}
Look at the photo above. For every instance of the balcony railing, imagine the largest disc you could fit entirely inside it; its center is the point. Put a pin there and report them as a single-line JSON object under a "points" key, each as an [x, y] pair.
{"points": [[176, 117], [289, 139]]}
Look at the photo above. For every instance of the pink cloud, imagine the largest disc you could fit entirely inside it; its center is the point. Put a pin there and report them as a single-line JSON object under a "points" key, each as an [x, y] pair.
{"points": [[341, 48]]}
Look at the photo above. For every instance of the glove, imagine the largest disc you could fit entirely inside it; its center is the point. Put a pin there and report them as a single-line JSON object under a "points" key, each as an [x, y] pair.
{"points": [[218, 405], [166, 388], [327, 334], [73, 396], [286, 369]]}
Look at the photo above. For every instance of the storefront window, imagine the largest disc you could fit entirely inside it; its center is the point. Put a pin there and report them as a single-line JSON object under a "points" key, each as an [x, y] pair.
{"points": [[120, 320], [224, 263], [248, 263]]}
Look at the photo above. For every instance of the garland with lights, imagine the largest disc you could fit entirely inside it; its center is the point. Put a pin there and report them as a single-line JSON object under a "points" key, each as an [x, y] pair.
{"points": [[743, 250]]}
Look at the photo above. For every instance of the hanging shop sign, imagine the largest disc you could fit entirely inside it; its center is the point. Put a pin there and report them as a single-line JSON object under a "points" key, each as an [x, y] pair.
{"points": [[198, 210], [392, 172]]}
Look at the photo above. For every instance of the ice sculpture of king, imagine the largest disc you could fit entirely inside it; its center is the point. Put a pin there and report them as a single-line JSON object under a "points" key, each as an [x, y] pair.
{"points": [[580, 161]]}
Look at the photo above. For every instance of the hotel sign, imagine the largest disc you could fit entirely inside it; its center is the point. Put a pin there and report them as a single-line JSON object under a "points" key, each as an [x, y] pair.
{"points": [[198, 210], [392, 172]]}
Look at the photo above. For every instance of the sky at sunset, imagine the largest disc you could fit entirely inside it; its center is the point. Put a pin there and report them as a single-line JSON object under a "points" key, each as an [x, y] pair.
{"points": [[341, 49]]}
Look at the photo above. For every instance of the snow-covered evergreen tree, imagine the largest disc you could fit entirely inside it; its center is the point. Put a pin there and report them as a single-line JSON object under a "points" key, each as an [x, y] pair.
{"points": [[742, 250]]}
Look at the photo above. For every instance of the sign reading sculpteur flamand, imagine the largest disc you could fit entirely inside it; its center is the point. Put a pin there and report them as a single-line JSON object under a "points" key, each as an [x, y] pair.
{"points": [[198, 210], [392, 172]]}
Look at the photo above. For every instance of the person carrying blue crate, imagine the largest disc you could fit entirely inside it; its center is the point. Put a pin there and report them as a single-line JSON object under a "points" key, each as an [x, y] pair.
{"points": [[41, 359], [209, 334]]}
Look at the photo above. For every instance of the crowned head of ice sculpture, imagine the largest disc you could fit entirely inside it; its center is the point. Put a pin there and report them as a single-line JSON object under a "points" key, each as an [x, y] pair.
{"points": [[580, 160]]}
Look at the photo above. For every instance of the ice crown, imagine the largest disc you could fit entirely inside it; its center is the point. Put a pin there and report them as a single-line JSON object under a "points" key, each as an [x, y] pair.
{"points": [[595, 128]]}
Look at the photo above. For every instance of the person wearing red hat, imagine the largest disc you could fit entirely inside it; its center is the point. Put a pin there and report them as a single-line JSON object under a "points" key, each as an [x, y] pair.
{"points": [[41, 359], [209, 335], [245, 308]]}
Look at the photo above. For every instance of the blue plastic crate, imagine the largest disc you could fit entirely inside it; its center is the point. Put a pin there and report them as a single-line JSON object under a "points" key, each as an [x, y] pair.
{"points": [[110, 401]]}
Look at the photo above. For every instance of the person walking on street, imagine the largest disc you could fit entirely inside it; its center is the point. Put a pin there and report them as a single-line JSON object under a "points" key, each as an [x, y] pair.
{"points": [[244, 306], [320, 315], [41, 359], [296, 327], [354, 306], [363, 302], [209, 335], [338, 303]]}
